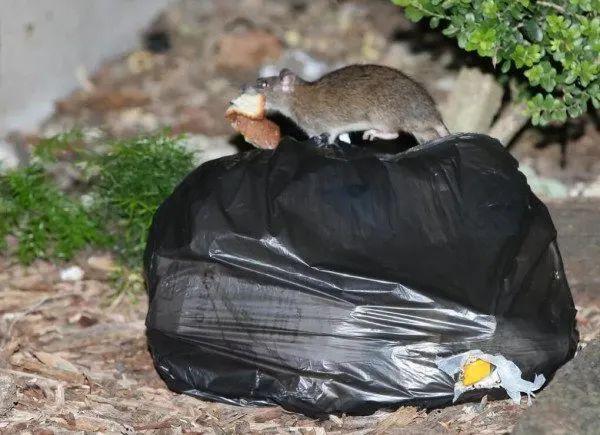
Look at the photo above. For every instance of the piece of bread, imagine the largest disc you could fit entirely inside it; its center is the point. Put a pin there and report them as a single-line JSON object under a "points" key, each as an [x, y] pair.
{"points": [[249, 105], [262, 133]]}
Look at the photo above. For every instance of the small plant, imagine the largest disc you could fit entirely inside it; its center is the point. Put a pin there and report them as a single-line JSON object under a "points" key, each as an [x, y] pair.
{"points": [[124, 188], [46, 222], [54, 148], [133, 179], [552, 47]]}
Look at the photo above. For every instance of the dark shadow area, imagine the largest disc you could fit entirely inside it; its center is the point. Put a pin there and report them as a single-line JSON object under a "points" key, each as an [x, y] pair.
{"points": [[157, 41], [288, 127], [572, 130], [422, 38]]}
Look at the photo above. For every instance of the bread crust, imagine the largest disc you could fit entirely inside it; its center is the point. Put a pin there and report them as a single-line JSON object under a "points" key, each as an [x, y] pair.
{"points": [[262, 133]]}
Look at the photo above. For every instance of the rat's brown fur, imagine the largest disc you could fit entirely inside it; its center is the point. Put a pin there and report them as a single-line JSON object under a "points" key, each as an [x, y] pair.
{"points": [[355, 98]]}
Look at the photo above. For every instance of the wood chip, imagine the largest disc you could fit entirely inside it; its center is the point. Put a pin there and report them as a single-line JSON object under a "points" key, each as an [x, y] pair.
{"points": [[56, 362], [267, 414], [28, 362], [400, 418]]}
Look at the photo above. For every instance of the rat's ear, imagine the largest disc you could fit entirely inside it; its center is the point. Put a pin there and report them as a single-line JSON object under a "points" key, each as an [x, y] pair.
{"points": [[287, 78]]}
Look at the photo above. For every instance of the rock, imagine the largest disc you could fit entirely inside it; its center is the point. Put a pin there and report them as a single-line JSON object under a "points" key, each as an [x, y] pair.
{"points": [[73, 273], [103, 100], [473, 103], [587, 190], [133, 120], [570, 404], [9, 158], [400, 56], [140, 61], [207, 148], [102, 263], [194, 120], [298, 61], [544, 187], [247, 50]]}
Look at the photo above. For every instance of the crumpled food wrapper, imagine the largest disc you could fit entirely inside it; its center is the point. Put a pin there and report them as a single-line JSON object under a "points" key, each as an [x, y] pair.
{"points": [[503, 374]]}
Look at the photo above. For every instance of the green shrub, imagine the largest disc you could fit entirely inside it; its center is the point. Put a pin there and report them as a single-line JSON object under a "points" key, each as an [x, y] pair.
{"points": [[124, 187], [62, 145], [133, 179], [552, 46], [46, 222]]}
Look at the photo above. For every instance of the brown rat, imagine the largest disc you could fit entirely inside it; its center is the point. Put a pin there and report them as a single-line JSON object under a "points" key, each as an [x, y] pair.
{"points": [[378, 100]]}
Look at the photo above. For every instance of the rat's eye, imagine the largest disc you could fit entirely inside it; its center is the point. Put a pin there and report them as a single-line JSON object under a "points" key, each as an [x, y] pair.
{"points": [[262, 84]]}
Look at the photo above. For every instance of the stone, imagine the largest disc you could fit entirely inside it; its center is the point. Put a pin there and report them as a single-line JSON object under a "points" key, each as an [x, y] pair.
{"points": [[473, 103], [205, 148], [102, 263], [571, 403], [544, 187], [302, 63], [73, 273], [9, 158], [247, 50]]}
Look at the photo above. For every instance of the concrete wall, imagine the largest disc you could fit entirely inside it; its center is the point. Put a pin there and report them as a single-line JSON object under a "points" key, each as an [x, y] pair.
{"points": [[44, 42]]}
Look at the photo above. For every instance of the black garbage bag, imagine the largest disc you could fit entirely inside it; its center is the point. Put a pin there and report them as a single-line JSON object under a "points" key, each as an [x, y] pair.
{"points": [[331, 280]]}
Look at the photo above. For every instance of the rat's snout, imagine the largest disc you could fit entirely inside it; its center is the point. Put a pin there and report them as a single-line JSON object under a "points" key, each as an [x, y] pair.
{"points": [[248, 88]]}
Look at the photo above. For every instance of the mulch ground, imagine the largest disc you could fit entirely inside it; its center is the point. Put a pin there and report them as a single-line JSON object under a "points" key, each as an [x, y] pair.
{"points": [[74, 358], [73, 354]]}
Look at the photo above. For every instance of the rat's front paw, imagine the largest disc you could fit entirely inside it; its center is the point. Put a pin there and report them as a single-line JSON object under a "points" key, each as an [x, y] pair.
{"points": [[369, 135]]}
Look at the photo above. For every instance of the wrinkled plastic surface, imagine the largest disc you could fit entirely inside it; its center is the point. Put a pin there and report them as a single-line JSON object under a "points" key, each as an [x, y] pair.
{"points": [[330, 280]]}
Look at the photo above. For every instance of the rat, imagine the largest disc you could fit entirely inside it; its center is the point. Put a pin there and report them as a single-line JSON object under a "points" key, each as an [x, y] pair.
{"points": [[378, 100]]}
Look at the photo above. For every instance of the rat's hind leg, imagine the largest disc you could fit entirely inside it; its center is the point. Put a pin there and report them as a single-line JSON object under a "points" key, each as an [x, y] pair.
{"points": [[373, 134], [425, 135], [430, 133]]}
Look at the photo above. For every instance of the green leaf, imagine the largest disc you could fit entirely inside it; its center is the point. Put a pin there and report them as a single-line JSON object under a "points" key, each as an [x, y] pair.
{"points": [[489, 8], [450, 30], [413, 14], [534, 74], [526, 55], [555, 50], [533, 31]]}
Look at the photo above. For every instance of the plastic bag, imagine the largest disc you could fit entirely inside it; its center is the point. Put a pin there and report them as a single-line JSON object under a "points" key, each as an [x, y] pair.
{"points": [[331, 280]]}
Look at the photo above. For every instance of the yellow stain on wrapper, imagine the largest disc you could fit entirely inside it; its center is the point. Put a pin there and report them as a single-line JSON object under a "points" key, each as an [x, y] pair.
{"points": [[475, 371]]}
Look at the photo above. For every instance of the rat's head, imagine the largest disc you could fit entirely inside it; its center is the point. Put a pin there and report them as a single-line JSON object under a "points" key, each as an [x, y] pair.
{"points": [[278, 90]]}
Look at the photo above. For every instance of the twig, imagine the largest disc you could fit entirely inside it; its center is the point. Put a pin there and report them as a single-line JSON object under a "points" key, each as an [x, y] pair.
{"points": [[552, 5], [426, 11], [510, 121], [166, 424]]}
